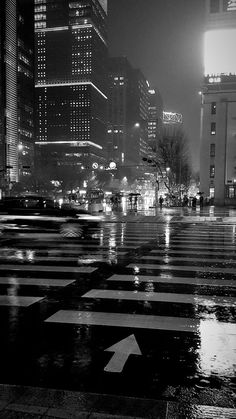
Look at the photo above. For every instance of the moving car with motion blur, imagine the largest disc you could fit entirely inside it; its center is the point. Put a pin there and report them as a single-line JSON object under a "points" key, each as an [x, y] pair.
{"points": [[40, 214]]}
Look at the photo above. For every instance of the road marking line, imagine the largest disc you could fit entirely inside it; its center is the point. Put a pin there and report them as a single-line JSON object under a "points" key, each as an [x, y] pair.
{"points": [[174, 280], [125, 320], [191, 252], [22, 267], [165, 297], [201, 240], [48, 282], [18, 301], [202, 246], [186, 259], [182, 268]]}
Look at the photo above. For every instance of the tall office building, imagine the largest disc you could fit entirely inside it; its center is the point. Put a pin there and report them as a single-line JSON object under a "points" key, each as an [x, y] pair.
{"points": [[71, 82], [155, 113], [8, 93], [16, 91], [128, 113], [218, 113], [25, 86]]}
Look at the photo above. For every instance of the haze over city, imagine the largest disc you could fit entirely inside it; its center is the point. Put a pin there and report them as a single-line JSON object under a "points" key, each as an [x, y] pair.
{"points": [[165, 39]]}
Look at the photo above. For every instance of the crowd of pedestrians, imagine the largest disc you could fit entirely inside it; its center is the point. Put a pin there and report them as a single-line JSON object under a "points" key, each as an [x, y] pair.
{"points": [[186, 201]]}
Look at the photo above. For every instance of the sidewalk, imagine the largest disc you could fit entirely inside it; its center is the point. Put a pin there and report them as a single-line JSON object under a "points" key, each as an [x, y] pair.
{"points": [[28, 402]]}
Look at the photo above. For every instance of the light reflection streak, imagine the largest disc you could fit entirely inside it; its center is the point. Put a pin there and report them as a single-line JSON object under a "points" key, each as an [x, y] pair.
{"points": [[217, 352], [167, 235]]}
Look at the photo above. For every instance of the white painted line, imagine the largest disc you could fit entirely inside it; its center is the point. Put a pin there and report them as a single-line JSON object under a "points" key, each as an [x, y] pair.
{"points": [[21, 267], [141, 321], [18, 301], [173, 280], [166, 297], [202, 246], [201, 240], [47, 282], [168, 258], [182, 268], [195, 252]]}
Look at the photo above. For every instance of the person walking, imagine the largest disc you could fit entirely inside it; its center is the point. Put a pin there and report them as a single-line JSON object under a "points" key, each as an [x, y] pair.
{"points": [[201, 201], [161, 201]]}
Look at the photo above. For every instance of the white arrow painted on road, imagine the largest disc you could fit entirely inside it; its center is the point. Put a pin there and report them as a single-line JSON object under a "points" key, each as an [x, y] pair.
{"points": [[123, 350]]}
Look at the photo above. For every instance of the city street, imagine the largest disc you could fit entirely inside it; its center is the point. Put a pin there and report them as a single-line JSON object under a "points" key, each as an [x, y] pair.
{"points": [[143, 309]]}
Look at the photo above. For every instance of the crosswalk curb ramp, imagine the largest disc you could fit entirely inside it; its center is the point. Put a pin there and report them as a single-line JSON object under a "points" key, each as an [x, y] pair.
{"points": [[22, 401]]}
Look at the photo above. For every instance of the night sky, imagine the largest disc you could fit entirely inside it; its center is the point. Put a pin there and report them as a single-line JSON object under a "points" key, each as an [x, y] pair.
{"points": [[164, 38]]}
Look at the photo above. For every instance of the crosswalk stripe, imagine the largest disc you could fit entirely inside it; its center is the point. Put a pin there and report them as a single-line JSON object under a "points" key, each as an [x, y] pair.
{"points": [[167, 297], [202, 246], [141, 321], [186, 259], [205, 234], [48, 282], [190, 252], [18, 301], [173, 280], [22, 267], [201, 240], [182, 268]]}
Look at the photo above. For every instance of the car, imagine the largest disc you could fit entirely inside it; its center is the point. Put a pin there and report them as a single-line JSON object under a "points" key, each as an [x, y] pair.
{"points": [[42, 214]]}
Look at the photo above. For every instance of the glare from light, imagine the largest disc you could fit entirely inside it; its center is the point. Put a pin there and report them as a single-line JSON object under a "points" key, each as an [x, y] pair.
{"points": [[219, 52]]}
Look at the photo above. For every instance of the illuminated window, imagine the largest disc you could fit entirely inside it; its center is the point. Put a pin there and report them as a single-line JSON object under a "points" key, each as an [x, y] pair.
{"points": [[212, 149], [231, 192], [213, 108], [212, 170], [214, 6], [213, 128]]}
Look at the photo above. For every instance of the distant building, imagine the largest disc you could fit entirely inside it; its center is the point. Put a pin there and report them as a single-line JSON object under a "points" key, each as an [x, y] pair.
{"points": [[128, 113], [16, 92], [71, 82], [155, 113], [218, 114]]}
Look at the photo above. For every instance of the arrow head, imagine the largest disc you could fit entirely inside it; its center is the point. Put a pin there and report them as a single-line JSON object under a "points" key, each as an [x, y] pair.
{"points": [[127, 346]]}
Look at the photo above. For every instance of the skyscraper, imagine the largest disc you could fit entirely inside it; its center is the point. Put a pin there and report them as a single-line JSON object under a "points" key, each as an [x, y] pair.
{"points": [[218, 114], [71, 81], [128, 113], [8, 93], [25, 86], [16, 92]]}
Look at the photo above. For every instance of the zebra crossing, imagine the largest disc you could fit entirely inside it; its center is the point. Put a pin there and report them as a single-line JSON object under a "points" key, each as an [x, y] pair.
{"points": [[38, 260], [188, 290], [166, 293]]}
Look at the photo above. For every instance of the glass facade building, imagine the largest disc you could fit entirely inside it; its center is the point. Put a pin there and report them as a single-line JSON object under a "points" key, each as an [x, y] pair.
{"points": [[128, 113], [8, 93], [71, 81]]}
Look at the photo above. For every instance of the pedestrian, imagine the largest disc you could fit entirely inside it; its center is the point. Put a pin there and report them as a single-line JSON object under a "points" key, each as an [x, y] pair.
{"points": [[194, 202], [161, 201], [201, 201]]}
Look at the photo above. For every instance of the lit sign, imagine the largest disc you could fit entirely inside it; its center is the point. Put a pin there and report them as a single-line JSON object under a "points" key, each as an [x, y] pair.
{"points": [[112, 165], [95, 165], [219, 52], [214, 80]]}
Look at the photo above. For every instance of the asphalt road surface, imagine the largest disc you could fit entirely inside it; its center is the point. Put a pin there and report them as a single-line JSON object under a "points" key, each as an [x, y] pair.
{"points": [[139, 309]]}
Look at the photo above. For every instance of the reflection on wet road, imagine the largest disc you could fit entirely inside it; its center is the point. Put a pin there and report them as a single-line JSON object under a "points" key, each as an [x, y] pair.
{"points": [[160, 297]]}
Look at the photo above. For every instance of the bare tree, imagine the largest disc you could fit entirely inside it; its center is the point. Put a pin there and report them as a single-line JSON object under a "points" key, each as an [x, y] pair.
{"points": [[173, 154]]}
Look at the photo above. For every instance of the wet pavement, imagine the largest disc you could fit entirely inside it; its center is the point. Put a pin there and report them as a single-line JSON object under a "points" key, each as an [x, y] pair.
{"points": [[136, 321]]}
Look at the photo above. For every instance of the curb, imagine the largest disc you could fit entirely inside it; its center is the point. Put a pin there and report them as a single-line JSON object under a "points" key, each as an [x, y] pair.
{"points": [[35, 402]]}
